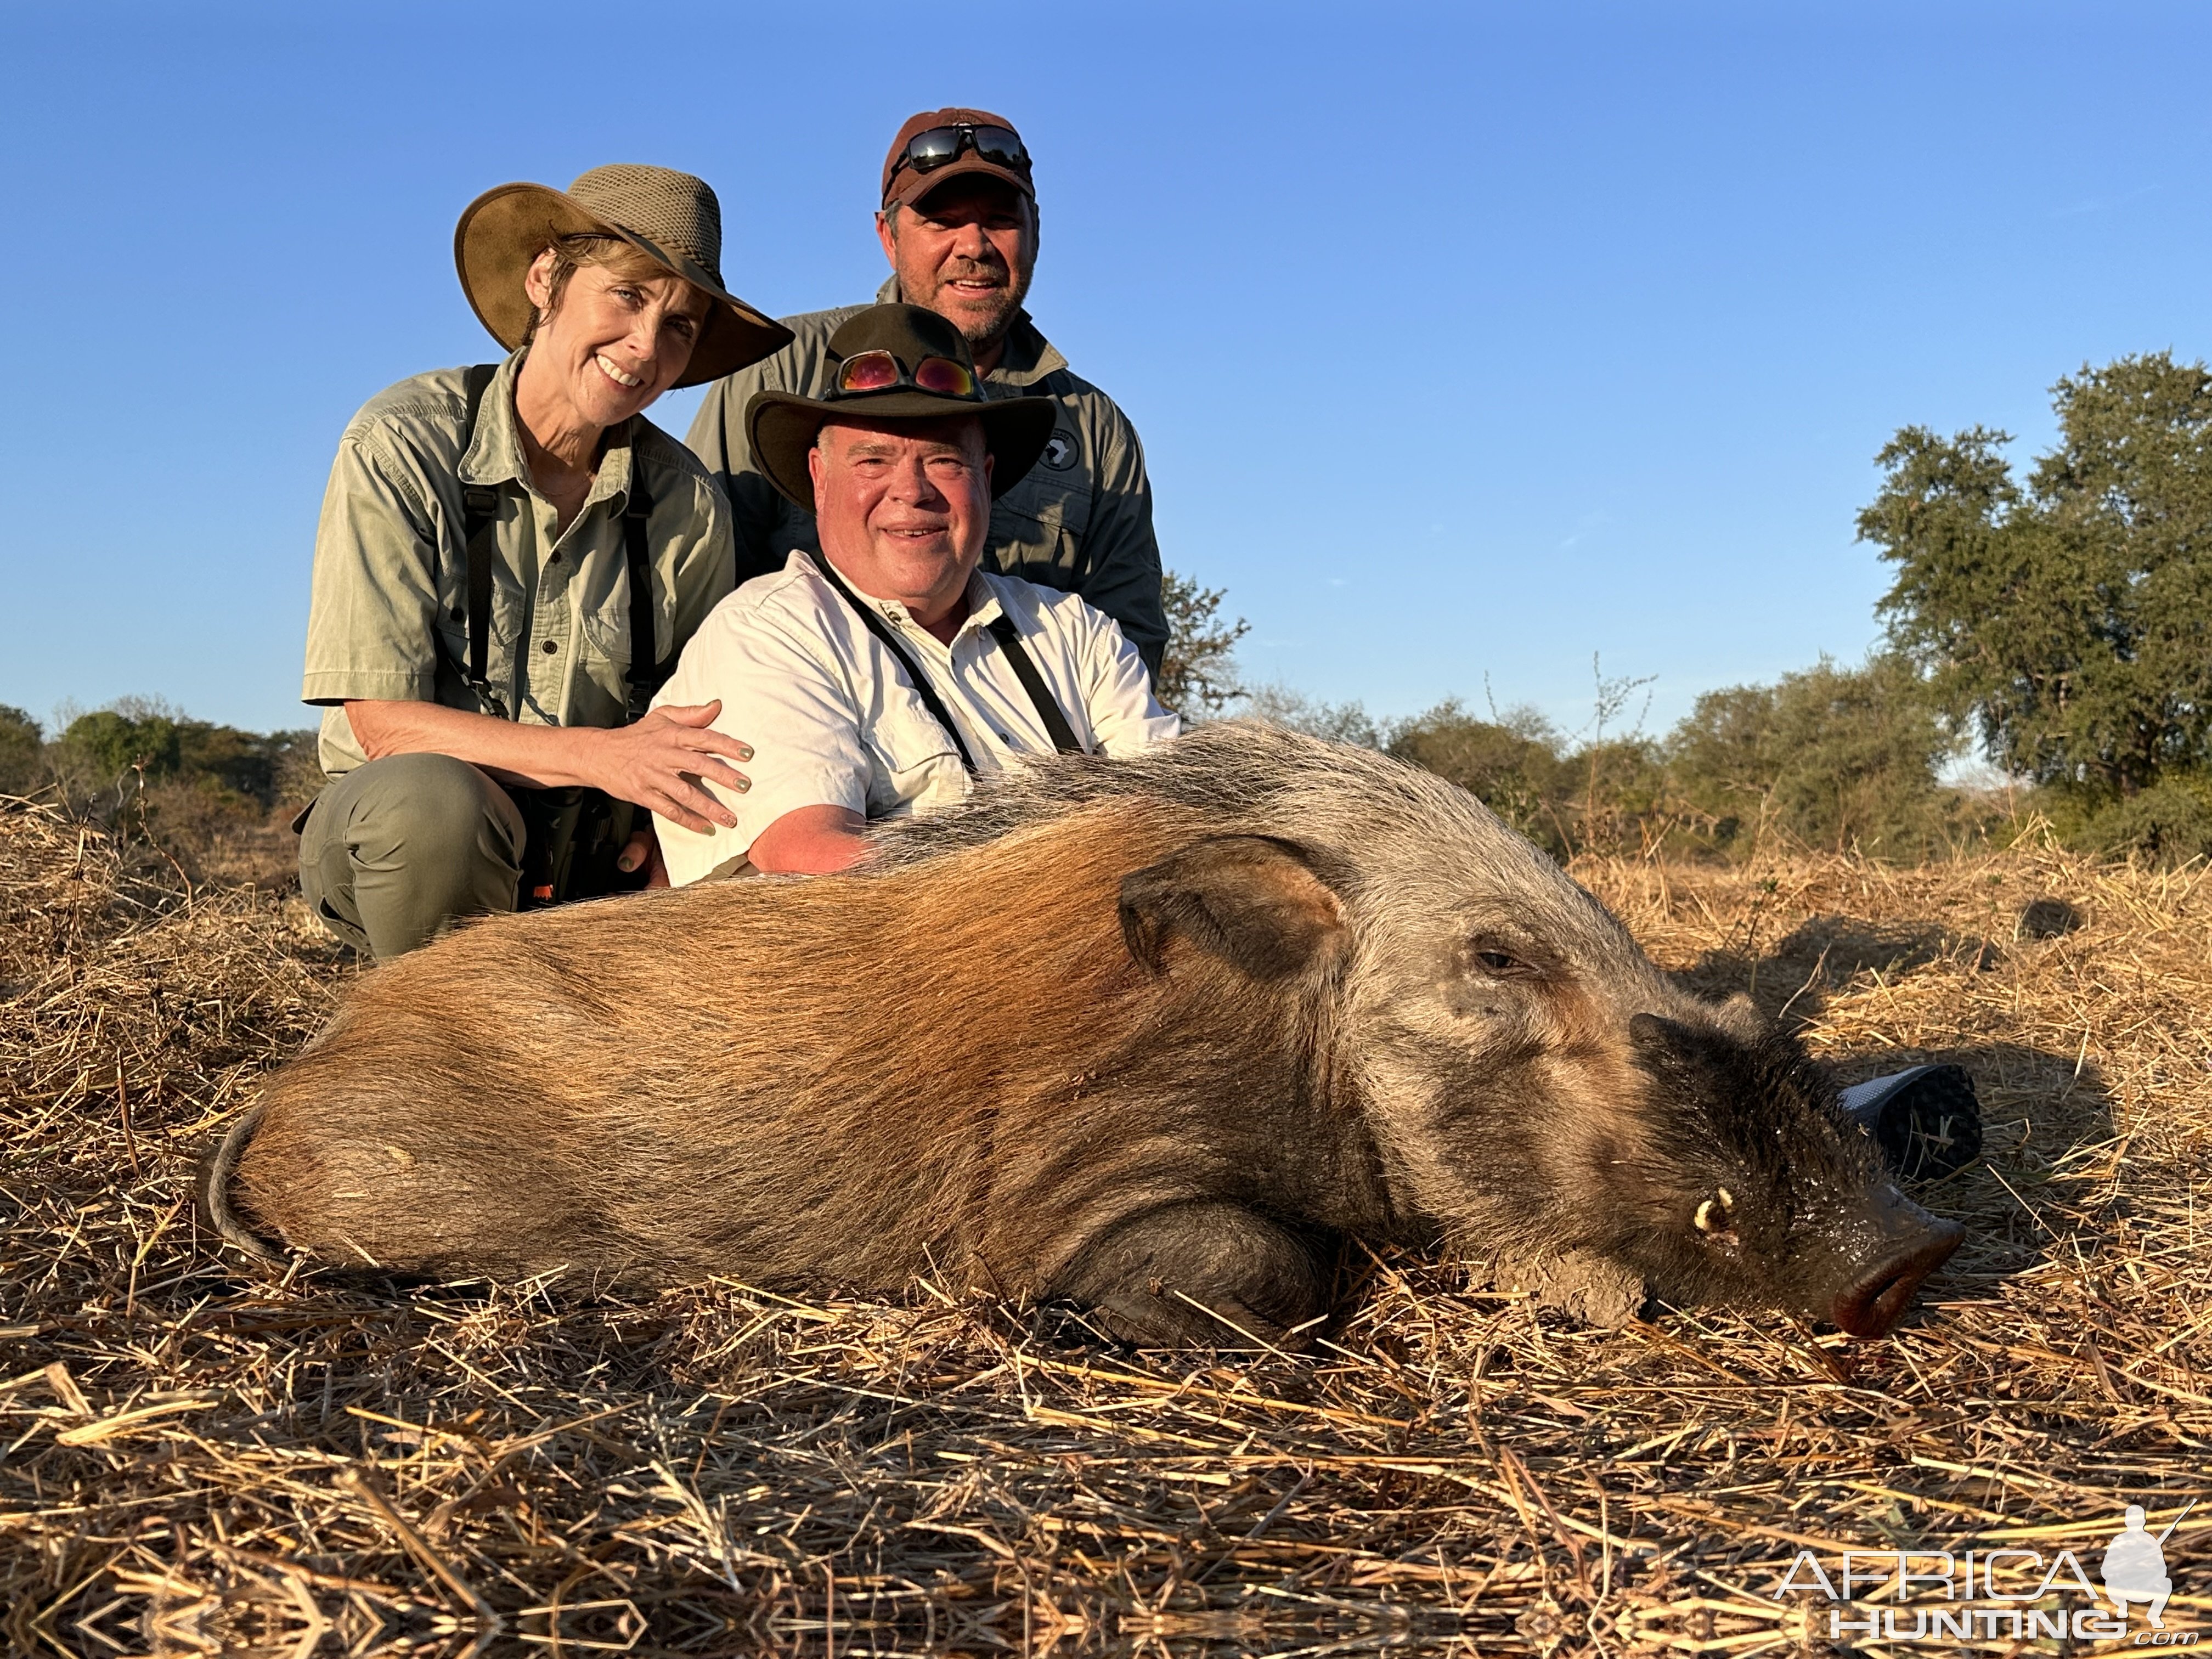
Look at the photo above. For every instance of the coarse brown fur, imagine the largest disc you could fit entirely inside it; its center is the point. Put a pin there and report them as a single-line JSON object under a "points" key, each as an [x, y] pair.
{"points": [[1145, 1033]]}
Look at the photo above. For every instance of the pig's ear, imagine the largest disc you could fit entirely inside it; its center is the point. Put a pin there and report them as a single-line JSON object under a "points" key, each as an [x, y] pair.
{"points": [[1739, 1016], [1252, 901]]}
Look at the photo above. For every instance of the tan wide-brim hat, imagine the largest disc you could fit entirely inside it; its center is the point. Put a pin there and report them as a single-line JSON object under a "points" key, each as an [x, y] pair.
{"points": [[670, 217]]}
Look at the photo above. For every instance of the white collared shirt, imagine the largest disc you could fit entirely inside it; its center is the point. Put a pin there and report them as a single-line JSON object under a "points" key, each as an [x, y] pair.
{"points": [[833, 722]]}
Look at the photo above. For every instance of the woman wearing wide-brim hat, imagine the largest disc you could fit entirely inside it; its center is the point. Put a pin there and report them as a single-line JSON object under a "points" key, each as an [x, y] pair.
{"points": [[508, 561]]}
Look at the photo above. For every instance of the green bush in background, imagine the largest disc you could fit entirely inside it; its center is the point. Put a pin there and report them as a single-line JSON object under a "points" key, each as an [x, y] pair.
{"points": [[1834, 757], [215, 798], [23, 753]]}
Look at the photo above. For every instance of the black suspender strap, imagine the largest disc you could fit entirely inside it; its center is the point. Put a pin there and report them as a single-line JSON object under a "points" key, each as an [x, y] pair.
{"points": [[479, 532], [873, 621], [646, 675], [1055, 723], [479, 524], [1010, 641]]}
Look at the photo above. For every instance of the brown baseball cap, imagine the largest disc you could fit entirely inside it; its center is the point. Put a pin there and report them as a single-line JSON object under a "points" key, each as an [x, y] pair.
{"points": [[904, 185]]}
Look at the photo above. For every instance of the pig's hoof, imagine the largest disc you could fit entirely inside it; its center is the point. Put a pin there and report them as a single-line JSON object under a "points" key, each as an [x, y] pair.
{"points": [[1591, 1288]]}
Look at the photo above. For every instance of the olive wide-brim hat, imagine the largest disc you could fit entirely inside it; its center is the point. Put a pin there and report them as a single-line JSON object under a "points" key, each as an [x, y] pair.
{"points": [[670, 217], [783, 425]]}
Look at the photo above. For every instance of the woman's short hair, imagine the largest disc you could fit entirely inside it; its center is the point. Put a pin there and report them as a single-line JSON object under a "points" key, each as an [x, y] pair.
{"points": [[574, 250]]}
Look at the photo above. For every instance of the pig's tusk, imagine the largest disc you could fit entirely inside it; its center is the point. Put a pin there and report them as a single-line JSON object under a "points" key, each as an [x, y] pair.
{"points": [[1705, 1221]]}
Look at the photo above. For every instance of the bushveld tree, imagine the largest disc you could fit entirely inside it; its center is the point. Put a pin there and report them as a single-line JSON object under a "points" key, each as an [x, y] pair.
{"points": [[2070, 618], [1197, 670], [109, 743], [1588, 792], [153, 741], [1340, 722]]}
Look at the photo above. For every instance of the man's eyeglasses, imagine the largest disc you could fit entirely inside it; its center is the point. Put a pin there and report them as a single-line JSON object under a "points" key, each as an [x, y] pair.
{"points": [[927, 151], [881, 371]]}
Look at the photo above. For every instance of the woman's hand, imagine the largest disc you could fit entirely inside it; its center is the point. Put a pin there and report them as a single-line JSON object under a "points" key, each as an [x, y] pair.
{"points": [[660, 761], [657, 763]]}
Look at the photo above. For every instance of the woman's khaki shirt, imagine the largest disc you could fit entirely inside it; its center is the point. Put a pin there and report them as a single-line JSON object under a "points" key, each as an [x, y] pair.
{"points": [[388, 620]]}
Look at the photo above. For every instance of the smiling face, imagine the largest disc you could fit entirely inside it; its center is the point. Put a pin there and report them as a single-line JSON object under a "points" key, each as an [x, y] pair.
{"points": [[967, 250], [902, 509], [615, 339]]}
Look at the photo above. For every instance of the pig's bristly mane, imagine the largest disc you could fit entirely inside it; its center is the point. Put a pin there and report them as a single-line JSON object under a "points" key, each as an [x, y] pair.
{"points": [[1251, 775]]}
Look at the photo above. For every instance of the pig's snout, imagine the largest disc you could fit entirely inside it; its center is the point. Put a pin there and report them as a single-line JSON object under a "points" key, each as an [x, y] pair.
{"points": [[1899, 1249]]}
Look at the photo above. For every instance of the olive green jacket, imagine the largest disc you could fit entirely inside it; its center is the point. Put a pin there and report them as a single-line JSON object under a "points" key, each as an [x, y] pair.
{"points": [[1081, 521]]}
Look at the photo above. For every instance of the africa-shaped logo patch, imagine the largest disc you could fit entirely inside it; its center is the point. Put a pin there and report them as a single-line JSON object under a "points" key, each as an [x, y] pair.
{"points": [[1060, 450]]}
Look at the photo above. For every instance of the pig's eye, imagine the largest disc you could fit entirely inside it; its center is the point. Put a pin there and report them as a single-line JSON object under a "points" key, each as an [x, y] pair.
{"points": [[1717, 1215], [1502, 965]]}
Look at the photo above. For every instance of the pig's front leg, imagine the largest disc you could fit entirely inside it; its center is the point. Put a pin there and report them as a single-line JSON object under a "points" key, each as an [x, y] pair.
{"points": [[1257, 1278]]}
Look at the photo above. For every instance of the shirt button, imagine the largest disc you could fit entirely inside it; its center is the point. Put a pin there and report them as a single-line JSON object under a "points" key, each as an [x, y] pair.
{"points": [[552, 558], [550, 648]]}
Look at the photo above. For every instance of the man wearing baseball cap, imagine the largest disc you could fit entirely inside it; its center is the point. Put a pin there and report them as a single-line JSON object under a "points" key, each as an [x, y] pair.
{"points": [[959, 225]]}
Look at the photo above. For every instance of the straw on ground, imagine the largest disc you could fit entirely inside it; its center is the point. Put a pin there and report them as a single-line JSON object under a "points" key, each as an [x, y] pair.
{"points": [[202, 1457]]}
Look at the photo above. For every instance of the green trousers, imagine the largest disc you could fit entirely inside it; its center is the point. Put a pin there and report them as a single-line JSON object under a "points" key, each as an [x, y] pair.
{"points": [[395, 849]]}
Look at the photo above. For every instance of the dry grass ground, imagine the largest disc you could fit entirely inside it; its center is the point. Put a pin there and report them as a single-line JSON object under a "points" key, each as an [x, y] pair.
{"points": [[195, 1458]]}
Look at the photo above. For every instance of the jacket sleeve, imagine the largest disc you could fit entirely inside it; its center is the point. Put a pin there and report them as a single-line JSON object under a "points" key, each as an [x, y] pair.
{"points": [[766, 526], [1122, 554], [372, 615]]}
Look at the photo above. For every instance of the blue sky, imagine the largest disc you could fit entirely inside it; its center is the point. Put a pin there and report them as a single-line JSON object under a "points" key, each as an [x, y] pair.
{"points": [[1464, 342]]}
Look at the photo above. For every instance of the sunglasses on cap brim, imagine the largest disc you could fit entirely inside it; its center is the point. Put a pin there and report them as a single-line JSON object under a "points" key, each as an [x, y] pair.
{"points": [[865, 372], [939, 147]]}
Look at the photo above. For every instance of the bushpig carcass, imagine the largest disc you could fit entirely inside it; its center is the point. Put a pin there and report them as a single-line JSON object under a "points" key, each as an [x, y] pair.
{"points": [[1154, 1035]]}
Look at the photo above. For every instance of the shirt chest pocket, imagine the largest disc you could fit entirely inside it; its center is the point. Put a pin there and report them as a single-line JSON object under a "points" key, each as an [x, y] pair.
{"points": [[912, 765], [1037, 528], [607, 624]]}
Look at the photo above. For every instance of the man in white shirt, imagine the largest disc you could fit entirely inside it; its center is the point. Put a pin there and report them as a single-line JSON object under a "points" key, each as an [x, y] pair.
{"points": [[880, 679]]}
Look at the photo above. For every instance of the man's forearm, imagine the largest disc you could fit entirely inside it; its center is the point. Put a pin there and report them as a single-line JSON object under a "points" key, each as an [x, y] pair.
{"points": [[813, 841], [536, 757]]}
